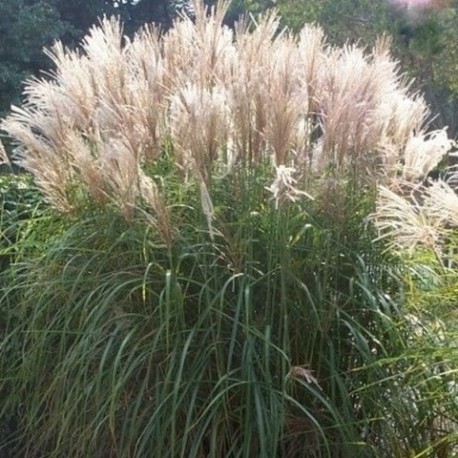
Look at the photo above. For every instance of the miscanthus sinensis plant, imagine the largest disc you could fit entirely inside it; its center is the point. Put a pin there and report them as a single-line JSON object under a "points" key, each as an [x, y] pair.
{"points": [[206, 282], [224, 99]]}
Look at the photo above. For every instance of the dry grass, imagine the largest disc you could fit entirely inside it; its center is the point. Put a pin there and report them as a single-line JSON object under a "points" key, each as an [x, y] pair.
{"points": [[405, 217], [223, 98]]}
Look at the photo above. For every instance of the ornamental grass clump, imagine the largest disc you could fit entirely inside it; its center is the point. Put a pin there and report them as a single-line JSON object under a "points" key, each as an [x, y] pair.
{"points": [[223, 98], [204, 281]]}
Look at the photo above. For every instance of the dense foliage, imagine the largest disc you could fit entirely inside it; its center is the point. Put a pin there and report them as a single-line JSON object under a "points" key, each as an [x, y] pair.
{"points": [[27, 27]]}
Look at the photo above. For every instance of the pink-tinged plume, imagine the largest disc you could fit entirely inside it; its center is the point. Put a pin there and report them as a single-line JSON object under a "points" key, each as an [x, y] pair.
{"points": [[416, 9], [420, 4]]}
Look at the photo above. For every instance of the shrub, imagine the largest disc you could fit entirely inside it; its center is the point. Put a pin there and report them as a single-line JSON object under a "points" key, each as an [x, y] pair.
{"points": [[20, 201]]}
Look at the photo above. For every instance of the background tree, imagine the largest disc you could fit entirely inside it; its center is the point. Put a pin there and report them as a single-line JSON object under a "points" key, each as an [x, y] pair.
{"points": [[80, 15], [25, 27], [432, 57], [343, 20]]}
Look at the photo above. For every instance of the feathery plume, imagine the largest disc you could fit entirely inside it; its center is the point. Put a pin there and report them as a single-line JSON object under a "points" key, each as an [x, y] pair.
{"points": [[224, 99], [406, 222], [423, 153], [4, 159], [283, 187], [441, 201]]}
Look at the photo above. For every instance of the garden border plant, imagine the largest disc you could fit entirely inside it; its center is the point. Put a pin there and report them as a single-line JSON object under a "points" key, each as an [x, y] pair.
{"points": [[205, 280]]}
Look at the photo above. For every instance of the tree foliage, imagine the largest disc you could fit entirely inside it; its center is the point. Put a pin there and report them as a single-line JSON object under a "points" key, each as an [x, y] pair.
{"points": [[25, 27]]}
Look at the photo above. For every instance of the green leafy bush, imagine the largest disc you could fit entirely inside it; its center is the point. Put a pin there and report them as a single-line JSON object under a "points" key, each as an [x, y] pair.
{"points": [[20, 201]]}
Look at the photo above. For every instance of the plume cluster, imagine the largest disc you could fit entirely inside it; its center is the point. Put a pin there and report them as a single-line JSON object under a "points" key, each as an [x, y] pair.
{"points": [[225, 99]]}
